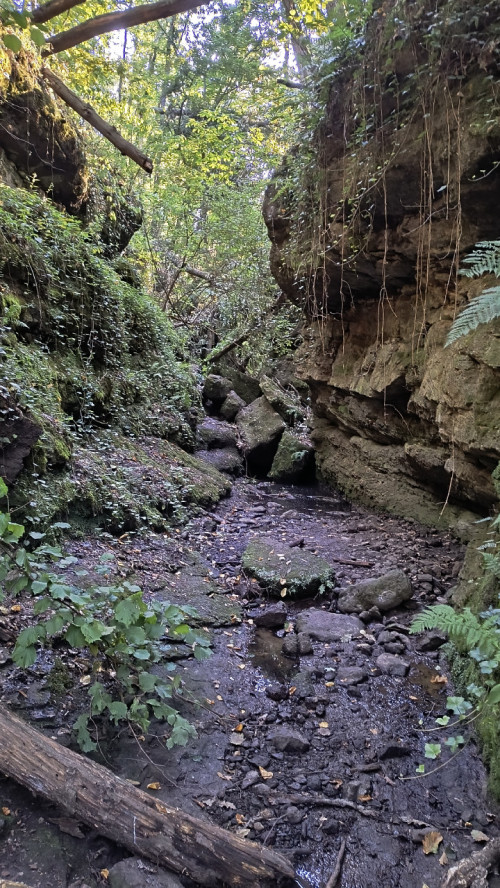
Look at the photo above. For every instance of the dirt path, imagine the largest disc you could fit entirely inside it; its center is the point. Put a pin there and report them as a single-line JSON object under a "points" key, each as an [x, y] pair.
{"points": [[310, 754]]}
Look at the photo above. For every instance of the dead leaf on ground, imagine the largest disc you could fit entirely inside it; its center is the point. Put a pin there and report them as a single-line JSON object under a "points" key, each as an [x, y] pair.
{"points": [[240, 819], [431, 842], [239, 728], [105, 873], [223, 776], [266, 775], [228, 805], [6, 812], [154, 785], [439, 680], [479, 836], [443, 860]]}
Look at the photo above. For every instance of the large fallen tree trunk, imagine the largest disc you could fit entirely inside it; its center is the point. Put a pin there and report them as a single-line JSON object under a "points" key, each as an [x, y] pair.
{"points": [[146, 826]]}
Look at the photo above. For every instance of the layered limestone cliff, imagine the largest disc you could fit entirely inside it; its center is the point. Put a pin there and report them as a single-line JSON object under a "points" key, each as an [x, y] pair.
{"points": [[405, 181]]}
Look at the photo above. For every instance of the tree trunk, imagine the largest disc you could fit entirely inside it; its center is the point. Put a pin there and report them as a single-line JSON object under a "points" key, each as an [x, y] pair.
{"points": [[48, 11], [114, 21], [102, 126], [143, 824]]}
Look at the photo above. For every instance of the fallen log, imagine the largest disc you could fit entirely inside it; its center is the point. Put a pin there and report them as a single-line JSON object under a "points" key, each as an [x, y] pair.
{"points": [[146, 826]]}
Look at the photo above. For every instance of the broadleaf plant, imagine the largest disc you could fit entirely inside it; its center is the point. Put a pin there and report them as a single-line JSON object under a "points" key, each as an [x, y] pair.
{"points": [[123, 636]]}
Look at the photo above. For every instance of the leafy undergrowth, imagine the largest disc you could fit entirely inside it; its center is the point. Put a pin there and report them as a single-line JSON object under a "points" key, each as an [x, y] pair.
{"points": [[124, 639]]}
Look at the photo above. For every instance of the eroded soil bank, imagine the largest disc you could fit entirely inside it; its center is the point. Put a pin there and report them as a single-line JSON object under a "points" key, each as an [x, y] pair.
{"points": [[302, 753]]}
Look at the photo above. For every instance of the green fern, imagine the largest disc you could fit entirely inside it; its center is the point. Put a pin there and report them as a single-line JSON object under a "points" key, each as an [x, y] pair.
{"points": [[481, 310], [465, 629], [485, 259]]}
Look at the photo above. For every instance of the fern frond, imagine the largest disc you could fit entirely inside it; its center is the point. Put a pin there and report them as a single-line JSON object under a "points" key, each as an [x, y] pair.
{"points": [[484, 259], [482, 309], [440, 616]]}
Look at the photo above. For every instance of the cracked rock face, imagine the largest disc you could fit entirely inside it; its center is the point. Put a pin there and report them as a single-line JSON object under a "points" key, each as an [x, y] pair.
{"points": [[400, 421]]}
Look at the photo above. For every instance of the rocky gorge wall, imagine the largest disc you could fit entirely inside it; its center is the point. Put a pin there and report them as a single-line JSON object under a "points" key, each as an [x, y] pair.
{"points": [[404, 181]]}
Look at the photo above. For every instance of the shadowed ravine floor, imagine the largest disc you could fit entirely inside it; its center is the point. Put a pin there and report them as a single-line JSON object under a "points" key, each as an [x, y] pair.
{"points": [[300, 753]]}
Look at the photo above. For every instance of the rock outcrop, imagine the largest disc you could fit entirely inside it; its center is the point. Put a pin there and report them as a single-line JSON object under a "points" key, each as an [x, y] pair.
{"points": [[407, 177]]}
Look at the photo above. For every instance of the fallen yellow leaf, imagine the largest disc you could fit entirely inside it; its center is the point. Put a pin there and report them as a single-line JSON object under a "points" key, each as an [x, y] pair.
{"points": [[292, 690], [443, 860], [283, 592], [5, 812], [105, 873], [431, 842], [439, 680], [240, 819], [16, 609], [365, 798], [479, 836], [323, 724], [239, 727], [242, 665], [266, 775], [154, 785]]}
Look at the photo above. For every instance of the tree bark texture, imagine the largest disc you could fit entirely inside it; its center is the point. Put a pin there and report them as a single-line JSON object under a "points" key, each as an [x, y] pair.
{"points": [[146, 826], [48, 11], [91, 116], [114, 21]]}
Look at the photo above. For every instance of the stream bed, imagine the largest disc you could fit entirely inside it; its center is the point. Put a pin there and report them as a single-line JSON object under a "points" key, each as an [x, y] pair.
{"points": [[306, 754]]}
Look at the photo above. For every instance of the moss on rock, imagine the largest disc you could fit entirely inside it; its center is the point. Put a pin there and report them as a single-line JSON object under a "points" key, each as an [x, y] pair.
{"points": [[287, 572]]}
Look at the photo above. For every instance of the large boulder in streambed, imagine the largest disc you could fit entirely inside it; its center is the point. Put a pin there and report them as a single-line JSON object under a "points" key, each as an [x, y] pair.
{"points": [[260, 429], [384, 592], [294, 460], [215, 434], [287, 405], [232, 406], [287, 572]]}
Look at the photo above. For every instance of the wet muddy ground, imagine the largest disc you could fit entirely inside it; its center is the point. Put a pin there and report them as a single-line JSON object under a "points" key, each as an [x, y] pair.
{"points": [[308, 754]]}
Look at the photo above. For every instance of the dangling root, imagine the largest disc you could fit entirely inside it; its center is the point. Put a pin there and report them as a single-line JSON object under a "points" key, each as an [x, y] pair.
{"points": [[472, 872]]}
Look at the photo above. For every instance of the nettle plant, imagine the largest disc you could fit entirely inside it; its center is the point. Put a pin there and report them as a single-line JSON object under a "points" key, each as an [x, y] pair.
{"points": [[122, 635], [478, 636]]}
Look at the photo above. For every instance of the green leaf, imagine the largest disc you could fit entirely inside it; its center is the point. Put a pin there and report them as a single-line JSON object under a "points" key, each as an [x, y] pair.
{"points": [[94, 631], [12, 42], [494, 695], [83, 737], [432, 750], [38, 37], [147, 682], [3, 488], [38, 586], [127, 611], [141, 654], [74, 637], [118, 710], [54, 625], [443, 720]]}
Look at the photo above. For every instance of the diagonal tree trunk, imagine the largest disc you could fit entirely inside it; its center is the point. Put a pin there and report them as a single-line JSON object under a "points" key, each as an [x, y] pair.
{"points": [[209, 855], [114, 21], [48, 11], [91, 116]]}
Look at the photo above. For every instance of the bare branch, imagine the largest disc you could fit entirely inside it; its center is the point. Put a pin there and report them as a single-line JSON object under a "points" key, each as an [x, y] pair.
{"points": [[114, 21], [48, 11], [292, 84], [87, 112]]}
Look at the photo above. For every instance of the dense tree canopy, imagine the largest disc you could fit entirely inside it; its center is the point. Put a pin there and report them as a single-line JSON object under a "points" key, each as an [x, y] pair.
{"points": [[208, 99]]}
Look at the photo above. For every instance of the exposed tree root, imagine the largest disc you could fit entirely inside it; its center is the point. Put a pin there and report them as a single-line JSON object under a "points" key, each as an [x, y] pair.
{"points": [[472, 872]]}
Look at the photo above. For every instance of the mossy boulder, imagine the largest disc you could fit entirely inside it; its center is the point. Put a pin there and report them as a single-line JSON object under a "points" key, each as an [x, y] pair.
{"points": [[287, 405], [232, 406], [260, 429], [246, 386], [216, 389], [294, 460], [287, 572]]}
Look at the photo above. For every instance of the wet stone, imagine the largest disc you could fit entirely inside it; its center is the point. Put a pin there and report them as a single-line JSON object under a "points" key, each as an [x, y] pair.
{"points": [[430, 641], [276, 692], [250, 779], [325, 626], [392, 665], [350, 675], [305, 644], [288, 740], [271, 617], [384, 592], [134, 873]]}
